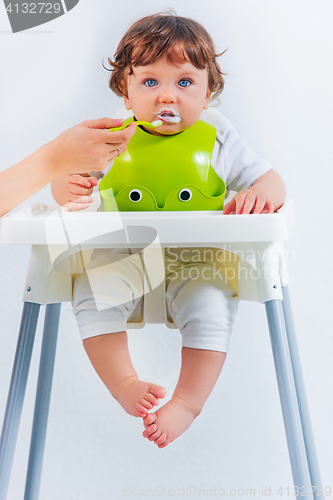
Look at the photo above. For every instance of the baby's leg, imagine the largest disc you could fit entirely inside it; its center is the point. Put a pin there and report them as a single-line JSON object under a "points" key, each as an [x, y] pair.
{"points": [[110, 357], [103, 303], [203, 309], [199, 373]]}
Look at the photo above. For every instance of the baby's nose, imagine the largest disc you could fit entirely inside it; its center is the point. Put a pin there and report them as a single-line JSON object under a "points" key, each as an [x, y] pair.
{"points": [[167, 96]]}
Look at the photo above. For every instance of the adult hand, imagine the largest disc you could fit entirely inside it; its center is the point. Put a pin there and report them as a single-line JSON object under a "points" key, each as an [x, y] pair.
{"points": [[83, 148], [88, 146]]}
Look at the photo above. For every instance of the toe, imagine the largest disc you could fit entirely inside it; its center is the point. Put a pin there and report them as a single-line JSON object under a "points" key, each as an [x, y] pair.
{"points": [[149, 431], [141, 409], [149, 419], [157, 390], [151, 399], [147, 404], [155, 435], [161, 439], [163, 445]]}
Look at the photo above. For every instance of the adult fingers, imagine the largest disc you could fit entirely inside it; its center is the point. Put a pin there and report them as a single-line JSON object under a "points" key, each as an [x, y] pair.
{"points": [[105, 145], [102, 135], [115, 144], [102, 123], [120, 147], [121, 136]]}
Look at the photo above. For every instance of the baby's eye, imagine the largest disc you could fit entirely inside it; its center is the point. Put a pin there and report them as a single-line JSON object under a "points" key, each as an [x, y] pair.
{"points": [[185, 82], [150, 82]]}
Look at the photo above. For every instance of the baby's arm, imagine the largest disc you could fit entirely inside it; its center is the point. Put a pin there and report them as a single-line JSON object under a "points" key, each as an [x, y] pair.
{"points": [[267, 194], [73, 191]]}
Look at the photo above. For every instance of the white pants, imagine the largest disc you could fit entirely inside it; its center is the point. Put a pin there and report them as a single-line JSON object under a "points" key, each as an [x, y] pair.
{"points": [[199, 302]]}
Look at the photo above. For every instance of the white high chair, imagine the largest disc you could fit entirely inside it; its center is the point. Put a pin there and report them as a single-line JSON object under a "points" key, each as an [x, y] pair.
{"points": [[253, 246]]}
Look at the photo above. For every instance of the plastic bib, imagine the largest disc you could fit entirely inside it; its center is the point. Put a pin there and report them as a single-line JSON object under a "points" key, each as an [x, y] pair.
{"points": [[170, 173]]}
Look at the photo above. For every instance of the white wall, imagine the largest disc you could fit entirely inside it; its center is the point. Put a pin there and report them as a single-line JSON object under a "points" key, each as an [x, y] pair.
{"points": [[278, 95]]}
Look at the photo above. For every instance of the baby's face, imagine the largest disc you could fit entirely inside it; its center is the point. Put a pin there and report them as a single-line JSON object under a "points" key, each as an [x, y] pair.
{"points": [[165, 91]]}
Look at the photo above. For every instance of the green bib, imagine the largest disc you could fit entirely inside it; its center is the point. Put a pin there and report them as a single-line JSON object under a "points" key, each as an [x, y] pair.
{"points": [[169, 173]]}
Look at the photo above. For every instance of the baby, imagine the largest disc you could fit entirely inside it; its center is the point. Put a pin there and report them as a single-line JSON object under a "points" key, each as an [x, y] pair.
{"points": [[165, 67]]}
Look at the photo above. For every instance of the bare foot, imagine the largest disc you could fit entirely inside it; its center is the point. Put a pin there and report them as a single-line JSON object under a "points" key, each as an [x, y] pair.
{"points": [[137, 397], [169, 422]]}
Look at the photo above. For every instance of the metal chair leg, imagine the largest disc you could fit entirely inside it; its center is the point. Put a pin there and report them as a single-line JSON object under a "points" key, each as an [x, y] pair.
{"points": [[288, 398], [16, 393], [301, 395], [42, 404]]}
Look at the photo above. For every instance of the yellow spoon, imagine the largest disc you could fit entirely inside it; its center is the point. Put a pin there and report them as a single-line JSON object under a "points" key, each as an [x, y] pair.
{"points": [[153, 124]]}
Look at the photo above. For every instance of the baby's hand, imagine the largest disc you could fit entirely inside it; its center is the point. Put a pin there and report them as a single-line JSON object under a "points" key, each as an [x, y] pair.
{"points": [[249, 201], [78, 190]]}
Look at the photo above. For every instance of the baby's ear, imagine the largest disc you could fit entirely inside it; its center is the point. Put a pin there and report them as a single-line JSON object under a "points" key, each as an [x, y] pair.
{"points": [[124, 90], [207, 100], [127, 102]]}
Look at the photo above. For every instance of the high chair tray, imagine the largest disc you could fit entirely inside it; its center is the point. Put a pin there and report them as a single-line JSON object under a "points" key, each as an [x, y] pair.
{"points": [[37, 225]]}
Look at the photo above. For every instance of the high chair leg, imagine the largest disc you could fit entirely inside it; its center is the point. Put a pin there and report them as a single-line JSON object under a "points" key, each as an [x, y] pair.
{"points": [[301, 395], [42, 404], [288, 398], [16, 393]]}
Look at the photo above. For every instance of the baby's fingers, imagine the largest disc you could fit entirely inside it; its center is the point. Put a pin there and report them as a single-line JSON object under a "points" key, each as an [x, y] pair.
{"points": [[82, 185], [229, 207], [248, 204], [263, 206], [77, 190], [93, 181], [80, 180], [259, 205], [244, 203], [269, 206], [80, 203]]}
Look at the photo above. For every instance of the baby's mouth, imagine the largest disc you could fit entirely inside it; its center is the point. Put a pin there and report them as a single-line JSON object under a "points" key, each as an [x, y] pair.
{"points": [[168, 115]]}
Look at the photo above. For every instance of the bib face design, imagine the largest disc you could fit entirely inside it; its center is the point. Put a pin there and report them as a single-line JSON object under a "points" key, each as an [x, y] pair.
{"points": [[165, 173]]}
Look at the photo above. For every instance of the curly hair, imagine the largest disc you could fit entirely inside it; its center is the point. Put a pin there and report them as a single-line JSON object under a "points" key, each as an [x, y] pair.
{"points": [[180, 39]]}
